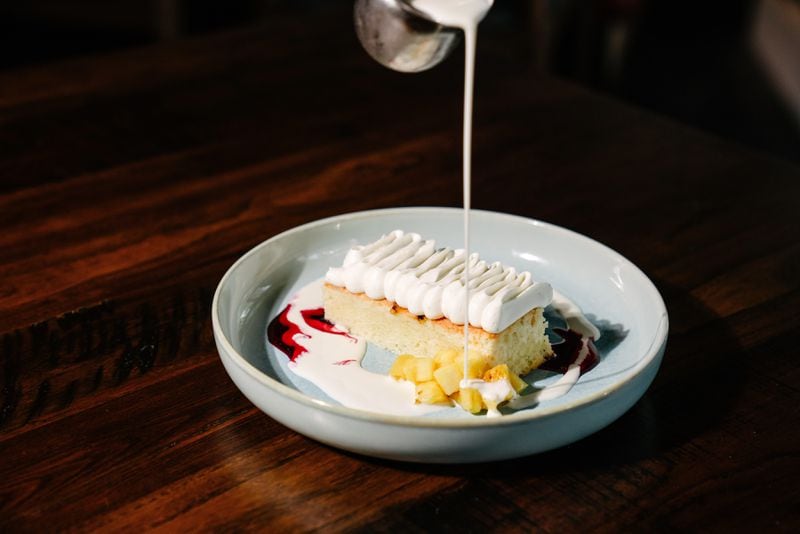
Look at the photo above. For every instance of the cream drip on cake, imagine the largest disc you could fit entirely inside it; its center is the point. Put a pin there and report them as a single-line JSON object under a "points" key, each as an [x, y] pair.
{"points": [[407, 270]]}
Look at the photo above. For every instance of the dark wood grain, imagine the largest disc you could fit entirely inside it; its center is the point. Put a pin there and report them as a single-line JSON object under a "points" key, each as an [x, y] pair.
{"points": [[130, 182]]}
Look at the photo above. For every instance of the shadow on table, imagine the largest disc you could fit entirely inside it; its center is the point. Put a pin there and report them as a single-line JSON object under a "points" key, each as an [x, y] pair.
{"points": [[699, 379]]}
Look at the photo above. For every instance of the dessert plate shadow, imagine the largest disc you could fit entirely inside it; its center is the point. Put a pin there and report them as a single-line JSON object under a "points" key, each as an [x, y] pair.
{"points": [[611, 290]]}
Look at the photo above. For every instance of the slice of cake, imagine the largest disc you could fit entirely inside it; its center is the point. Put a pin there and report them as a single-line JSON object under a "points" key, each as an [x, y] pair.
{"points": [[405, 295]]}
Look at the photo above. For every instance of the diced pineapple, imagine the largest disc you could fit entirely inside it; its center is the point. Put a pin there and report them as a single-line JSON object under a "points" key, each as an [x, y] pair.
{"points": [[419, 370], [425, 368], [501, 372], [446, 357], [398, 369], [438, 379], [430, 393], [476, 366], [449, 376], [517, 383], [470, 399], [410, 370], [496, 373]]}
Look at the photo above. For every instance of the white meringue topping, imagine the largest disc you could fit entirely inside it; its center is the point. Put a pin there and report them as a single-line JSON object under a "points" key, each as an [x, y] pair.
{"points": [[412, 273]]}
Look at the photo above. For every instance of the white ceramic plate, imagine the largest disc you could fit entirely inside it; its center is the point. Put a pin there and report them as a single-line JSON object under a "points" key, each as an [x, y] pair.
{"points": [[612, 292]]}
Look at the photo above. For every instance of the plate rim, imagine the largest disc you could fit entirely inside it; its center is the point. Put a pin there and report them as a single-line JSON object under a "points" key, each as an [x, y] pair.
{"points": [[655, 348]]}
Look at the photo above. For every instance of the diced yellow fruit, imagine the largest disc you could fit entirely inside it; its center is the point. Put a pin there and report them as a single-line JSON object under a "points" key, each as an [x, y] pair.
{"points": [[422, 370], [476, 367], [398, 367], [496, 373], [448, 377], [517, 383], [446, 357], [410, 369], [430, 393], [470, 399], [501, 372]]}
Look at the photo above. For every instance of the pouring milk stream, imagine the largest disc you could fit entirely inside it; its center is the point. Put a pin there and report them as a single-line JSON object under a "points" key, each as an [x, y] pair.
{"points": [[463, 14]]}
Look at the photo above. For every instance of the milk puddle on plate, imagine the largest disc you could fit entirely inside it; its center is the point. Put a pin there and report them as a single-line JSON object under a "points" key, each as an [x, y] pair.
{"points": [[330, 358]]}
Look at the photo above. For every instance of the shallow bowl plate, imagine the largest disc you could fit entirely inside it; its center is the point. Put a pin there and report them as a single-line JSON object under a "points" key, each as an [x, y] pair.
{"points": [[611, 290]]}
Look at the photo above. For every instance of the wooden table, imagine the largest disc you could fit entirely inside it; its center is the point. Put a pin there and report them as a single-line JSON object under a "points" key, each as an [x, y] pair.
{"points": [[131, 182]]}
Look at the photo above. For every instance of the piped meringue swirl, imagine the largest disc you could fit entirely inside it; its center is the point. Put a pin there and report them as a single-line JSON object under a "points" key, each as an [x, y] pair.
{"points": [[411, 272]]}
